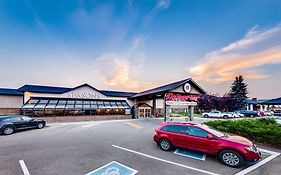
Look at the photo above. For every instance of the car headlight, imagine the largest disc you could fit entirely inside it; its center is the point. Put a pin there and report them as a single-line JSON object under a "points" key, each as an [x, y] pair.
{"points": [[252, 148]]}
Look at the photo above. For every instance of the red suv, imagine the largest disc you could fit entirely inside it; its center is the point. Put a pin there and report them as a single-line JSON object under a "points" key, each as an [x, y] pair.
{"points": [[232, 150]]}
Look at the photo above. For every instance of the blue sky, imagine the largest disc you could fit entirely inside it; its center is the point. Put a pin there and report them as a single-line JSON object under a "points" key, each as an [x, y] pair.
{"points": [[134, 45]]}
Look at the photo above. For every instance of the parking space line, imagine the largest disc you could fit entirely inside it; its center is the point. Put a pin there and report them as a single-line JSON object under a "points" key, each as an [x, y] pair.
{"points": [[23, 167], [262, 162], [166, 161], [90, 125], [134, 125]]}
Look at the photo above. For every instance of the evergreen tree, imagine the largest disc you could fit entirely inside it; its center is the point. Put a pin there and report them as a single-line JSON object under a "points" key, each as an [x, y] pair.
{"points": [[239, 92]]}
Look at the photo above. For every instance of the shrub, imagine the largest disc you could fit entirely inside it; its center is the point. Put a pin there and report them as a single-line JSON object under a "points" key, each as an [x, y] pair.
{"points": [[264, 130]]}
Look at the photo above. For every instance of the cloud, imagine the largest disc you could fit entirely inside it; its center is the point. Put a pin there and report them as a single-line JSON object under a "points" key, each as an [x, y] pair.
{"points": [[121, 70], [246, 56], [160, 5]]}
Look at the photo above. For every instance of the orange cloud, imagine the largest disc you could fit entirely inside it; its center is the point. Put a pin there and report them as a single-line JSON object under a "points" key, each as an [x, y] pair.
{"points": [[246, 56], [122, 70]]}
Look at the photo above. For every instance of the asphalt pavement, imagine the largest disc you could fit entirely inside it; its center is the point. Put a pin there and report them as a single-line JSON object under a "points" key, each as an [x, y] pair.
{"points": [[82, 147]]}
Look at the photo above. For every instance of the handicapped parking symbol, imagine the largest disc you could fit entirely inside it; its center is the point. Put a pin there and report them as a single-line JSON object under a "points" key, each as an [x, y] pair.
{"points": [[112, 171], [113, 168]]}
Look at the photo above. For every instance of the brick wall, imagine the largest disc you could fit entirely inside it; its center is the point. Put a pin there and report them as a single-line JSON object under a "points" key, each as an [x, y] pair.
{"points": [[84, 118], [7, 111]]}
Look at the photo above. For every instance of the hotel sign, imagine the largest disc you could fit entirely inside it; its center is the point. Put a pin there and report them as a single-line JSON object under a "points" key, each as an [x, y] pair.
{"points": [[86, 95], [181, 99]]}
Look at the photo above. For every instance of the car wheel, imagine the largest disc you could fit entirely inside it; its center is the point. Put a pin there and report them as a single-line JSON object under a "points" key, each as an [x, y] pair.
{"points": [[231, 158], [225, 117], [40, 125], [8, 130], [165, 144], [205, 116]]}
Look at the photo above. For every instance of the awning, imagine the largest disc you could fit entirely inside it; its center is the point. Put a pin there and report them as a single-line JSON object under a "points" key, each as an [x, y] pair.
{"points": [[44, 103], [276, 101]]}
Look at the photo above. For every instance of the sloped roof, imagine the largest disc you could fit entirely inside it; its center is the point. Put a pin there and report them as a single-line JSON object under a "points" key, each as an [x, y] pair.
{"points": [[60, 90], [276, 101], [6, 91], [117, 93], [169, 87], [43, 89]]}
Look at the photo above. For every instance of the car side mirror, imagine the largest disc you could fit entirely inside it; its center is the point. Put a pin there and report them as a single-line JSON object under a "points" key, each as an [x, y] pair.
{"points": [[209, 136]]}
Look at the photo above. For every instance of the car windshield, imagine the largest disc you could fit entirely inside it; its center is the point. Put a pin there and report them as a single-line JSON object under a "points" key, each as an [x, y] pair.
{"points": [[214, 131]]}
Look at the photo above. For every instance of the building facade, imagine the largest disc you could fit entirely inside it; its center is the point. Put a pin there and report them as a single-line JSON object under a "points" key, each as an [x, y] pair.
{"points": [[85, 100]]}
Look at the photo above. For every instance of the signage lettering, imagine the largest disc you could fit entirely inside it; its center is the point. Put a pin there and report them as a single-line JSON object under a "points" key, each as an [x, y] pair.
{"points": [[180, 97], [86, 95]]}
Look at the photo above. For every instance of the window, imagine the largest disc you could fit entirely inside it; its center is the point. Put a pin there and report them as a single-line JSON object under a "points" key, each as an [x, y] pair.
{"points": [[52, 104], [87, 105], [26, 118], [5, 119], [197, 132], [107, 105], [16, 119], [78, 105], [70, 105], [61, 104], [175, 129]]}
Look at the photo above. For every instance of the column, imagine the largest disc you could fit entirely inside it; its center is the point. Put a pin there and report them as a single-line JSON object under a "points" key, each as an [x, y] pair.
{"points": [[251, 107], [191, 112]]}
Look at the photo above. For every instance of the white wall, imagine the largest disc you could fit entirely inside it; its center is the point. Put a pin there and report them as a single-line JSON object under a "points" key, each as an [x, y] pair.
{"points": [[11, 101]]}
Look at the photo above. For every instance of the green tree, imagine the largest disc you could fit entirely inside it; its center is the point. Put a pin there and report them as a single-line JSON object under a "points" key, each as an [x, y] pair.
{"points": [[239, 92]]}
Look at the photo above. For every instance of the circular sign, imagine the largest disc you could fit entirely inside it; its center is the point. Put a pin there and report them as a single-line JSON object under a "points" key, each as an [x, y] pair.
{"points": [[187, 87]]}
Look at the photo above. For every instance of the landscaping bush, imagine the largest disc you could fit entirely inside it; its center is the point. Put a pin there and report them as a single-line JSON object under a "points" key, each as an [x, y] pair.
{"points": [[264, 130]]}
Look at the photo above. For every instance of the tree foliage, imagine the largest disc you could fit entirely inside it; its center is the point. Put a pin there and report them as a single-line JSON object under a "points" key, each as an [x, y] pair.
{"points": [[239, 92], [208, 102]]}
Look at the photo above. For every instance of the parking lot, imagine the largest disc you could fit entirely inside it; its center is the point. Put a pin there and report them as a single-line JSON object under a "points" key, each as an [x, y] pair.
{"points": [[84, 147]]}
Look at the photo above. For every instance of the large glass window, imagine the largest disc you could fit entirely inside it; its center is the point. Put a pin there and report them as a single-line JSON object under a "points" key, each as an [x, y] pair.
{"points": [[107, 105], [41, 104], [87, 105], [101, 105], [52, 104], [70, 105], [79, 105], [94, 105], [61, 104], [30, 104]]}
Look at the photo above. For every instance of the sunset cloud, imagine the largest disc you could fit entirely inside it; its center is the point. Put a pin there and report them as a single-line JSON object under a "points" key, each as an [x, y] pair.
{"points": [[245, 56], [121, 70]]}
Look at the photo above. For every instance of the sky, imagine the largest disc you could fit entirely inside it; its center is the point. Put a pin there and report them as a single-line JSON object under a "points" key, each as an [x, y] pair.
{"points": [[134, 45]]}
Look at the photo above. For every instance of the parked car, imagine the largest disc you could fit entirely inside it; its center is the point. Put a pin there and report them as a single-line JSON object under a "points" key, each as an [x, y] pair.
{"points": [[269, 113], [232, 150], [277, 113], [248, 113], [218, 114], [278, 119], [10, 124]]}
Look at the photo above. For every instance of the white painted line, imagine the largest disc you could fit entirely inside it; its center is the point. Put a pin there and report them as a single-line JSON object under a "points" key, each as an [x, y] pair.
{"points": [[23, 167], [90, 125], [262, 162], [166, 161]]}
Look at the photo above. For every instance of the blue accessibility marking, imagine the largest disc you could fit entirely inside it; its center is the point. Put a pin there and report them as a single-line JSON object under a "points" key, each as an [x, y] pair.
{"points": [[191, 154], [113, 168]]}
